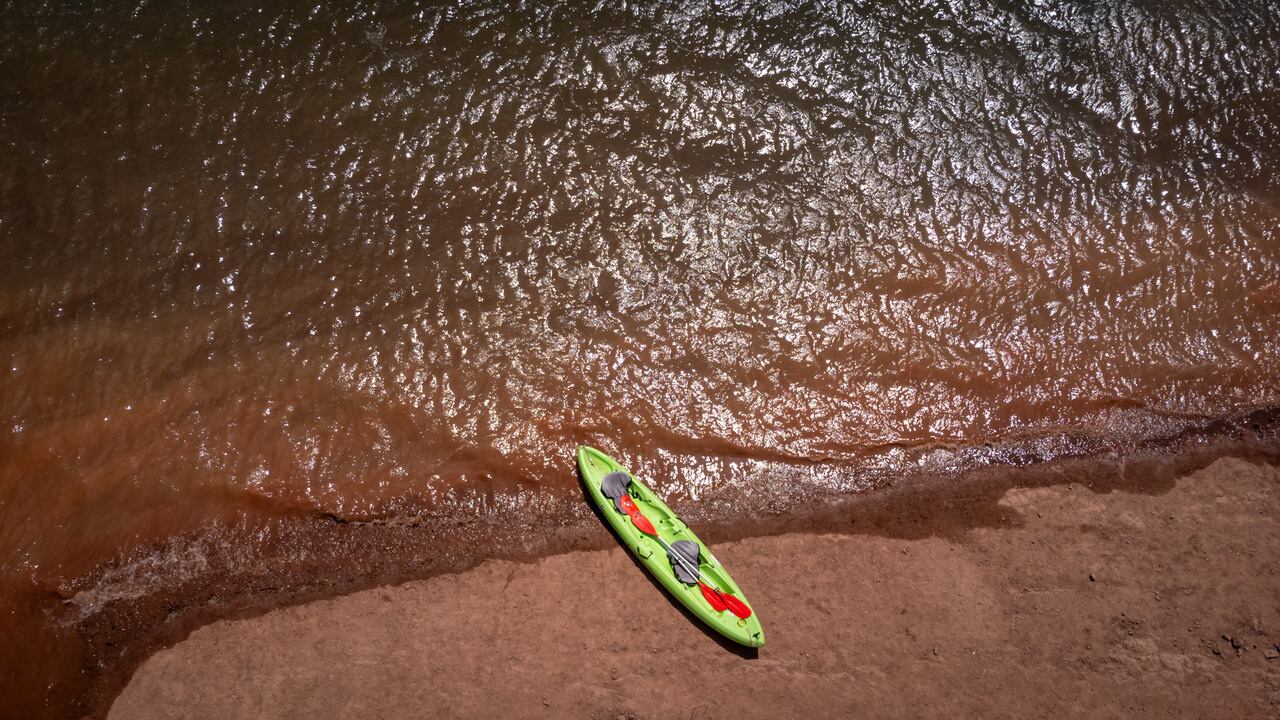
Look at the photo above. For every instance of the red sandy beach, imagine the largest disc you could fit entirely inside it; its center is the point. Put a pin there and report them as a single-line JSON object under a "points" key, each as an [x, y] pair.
{"points": [[1074, 599]]}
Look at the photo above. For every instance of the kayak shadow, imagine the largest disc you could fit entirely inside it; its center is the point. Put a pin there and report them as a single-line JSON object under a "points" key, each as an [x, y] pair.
{"points": [[742, 651]]}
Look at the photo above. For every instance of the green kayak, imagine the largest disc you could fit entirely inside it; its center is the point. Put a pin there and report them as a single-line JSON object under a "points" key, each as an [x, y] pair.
{"points": [[668, 548]]}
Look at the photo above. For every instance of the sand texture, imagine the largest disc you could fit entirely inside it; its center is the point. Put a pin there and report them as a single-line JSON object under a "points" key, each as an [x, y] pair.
{"points": [[1077, 604]]}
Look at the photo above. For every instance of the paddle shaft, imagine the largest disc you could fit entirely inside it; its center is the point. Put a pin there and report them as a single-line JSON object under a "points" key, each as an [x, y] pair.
{"points": [[644, 525], [634, 511]]}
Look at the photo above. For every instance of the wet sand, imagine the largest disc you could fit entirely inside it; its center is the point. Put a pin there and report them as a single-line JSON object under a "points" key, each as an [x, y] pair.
{"points": [[1086, 598]]}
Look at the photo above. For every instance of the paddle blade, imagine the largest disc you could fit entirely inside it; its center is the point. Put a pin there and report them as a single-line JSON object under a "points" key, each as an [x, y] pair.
{"points": [[712, 598], [736, 606], [628, 505], [643, 523]]}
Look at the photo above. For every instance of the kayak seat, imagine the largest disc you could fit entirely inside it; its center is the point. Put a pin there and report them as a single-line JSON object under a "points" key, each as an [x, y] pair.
{"points": [[691, 553], [614, 486]]}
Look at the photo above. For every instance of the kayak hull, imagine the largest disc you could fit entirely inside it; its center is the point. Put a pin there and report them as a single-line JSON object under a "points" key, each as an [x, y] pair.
{"points": [[594, 466]]}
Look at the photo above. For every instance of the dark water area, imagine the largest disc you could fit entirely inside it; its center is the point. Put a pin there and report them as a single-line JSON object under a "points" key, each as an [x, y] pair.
{"points": [[372, 261]]}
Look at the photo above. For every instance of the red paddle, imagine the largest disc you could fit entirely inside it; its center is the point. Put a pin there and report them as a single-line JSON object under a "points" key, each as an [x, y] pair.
{"points": [[637, 517], [712, 598], [736, 606], [718, 599]]}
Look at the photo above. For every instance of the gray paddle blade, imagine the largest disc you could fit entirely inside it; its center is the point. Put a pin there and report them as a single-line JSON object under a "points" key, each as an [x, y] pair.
{"points": [[692, 555], [614, 486]]}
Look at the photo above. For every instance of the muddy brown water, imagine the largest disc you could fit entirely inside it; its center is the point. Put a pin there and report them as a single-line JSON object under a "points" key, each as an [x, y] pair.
{"points": [[375, 262]]}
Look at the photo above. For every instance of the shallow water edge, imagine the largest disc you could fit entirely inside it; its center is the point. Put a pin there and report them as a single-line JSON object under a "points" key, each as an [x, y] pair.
{"points": [[109, 621]]}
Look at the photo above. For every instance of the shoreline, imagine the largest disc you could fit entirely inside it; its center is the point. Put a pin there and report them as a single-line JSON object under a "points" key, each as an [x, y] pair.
{"points": [[122, 633], [1072, 599], [302, 302]]}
